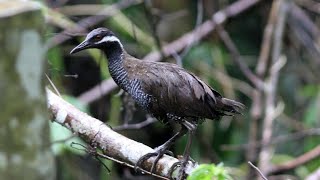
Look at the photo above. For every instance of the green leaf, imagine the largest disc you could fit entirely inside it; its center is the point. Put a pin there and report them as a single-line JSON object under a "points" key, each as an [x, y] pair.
{"points": [[210, 172]]}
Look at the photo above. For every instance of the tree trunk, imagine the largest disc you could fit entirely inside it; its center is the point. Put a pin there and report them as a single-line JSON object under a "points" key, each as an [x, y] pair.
{"points": [[24, 130]]}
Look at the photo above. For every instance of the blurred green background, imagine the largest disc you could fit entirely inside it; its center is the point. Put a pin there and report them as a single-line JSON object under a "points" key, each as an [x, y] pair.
{"points": [[146, 26]]}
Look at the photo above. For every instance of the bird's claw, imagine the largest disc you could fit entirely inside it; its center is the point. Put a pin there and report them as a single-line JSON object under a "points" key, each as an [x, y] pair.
{"points": [[182, 164], [142, 159], [158, 153], [170, 153]]}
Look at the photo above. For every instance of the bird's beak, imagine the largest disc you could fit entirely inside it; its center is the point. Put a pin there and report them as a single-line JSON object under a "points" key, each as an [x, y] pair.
{"points": [[80, 47]]}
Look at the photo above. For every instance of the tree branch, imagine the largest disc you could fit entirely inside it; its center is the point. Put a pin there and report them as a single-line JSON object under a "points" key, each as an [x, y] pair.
{"points": [[111, 143], [84, 24], [271, 87], [308, 156], [255, 80], [276, 140], [258, 170], [257, 95], [139, 125], [104, 88]]}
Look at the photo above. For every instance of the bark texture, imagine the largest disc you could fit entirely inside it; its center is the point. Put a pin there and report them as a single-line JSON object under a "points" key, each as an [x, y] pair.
{"points": [[24, 127]]}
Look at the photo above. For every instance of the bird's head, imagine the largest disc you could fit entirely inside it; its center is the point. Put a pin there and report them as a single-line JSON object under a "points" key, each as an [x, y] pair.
{"points": [[97, 38]]}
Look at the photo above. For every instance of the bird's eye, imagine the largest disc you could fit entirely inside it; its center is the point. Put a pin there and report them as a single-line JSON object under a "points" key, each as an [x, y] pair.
{"points": [[97, 38]]}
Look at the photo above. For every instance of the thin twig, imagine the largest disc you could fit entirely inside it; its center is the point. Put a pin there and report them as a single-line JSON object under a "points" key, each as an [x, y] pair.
{"points": [[257, 106], [256, 110], [304, 158], [129, 165], [81, 9], [178, 57], [129, 107], [266, 41], [311, 5], [199, 20], [258, 170], [91, 150], [63, 140], [202, 30], [277, 140], [94, 152], [256, 81], [271, 87], [88, 22], [104, 88], [153, 22], [140, 125], [52, 85], [71, 75], [305, 30]]}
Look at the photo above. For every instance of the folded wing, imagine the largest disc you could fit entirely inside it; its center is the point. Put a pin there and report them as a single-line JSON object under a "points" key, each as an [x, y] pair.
{"points": [[178, 92]]}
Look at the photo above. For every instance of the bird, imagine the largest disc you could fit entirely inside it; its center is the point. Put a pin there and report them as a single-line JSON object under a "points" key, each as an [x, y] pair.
{"points": [[167, 91]]}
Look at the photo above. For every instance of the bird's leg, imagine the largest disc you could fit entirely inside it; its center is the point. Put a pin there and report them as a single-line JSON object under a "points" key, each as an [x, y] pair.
{"points": [[186, 155], [160, 150]]}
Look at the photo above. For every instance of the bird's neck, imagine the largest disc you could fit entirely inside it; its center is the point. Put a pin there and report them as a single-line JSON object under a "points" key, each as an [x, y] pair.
{"points": [[116, 59], [116, 55]]}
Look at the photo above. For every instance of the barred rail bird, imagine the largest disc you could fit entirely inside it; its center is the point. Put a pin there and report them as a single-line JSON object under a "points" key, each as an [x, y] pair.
{"points": [[167, 91]]}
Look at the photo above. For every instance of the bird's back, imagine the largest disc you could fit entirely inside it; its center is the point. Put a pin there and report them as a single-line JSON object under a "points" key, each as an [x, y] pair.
{"points": [[175, 92]]}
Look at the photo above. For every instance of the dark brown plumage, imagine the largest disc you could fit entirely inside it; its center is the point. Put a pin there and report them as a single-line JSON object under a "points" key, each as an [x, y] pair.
{"points": [[176, 91], [167, 91]]}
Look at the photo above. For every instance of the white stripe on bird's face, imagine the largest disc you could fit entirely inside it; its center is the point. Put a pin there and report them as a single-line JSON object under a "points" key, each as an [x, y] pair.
{"points": [[110, 39]]}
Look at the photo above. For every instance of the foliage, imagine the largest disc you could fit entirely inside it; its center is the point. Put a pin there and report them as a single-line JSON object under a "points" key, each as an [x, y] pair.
{"points": [[210, 172]]}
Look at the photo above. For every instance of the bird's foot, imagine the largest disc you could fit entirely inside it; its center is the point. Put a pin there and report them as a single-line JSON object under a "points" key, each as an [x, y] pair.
{"points": [[182, 163], [159, 152]]}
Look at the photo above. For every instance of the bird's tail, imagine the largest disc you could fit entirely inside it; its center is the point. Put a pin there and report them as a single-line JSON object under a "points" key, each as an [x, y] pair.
{"points": [[231, 107]]}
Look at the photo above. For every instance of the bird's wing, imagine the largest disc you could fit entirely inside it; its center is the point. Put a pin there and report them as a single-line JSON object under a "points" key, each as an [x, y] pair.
{"points": [[173, 88]]}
